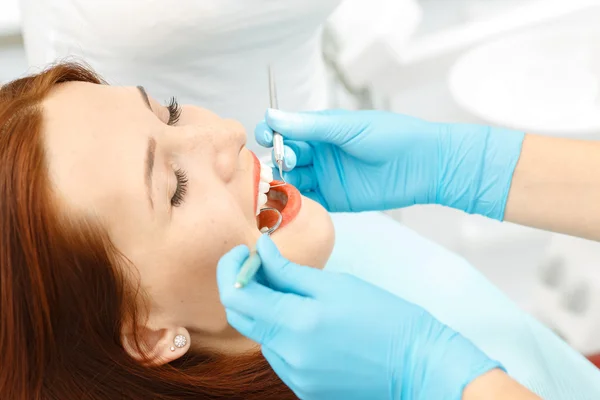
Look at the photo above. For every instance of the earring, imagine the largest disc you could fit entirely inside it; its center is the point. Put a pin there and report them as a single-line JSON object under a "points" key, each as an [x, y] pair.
{"points": [[179, 341]]}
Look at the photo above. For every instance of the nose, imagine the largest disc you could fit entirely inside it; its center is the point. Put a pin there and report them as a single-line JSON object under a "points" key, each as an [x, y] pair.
{"points": [[228, 140], [229, 143], [237, 134], [218, 139]]}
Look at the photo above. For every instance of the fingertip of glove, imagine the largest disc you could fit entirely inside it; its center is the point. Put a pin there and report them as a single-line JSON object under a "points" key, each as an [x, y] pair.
{"points": [[279, 120], [234, 256], [290, 159], [241, 250], [273, 114], [263, 134], [227, 270], [265, 246]]}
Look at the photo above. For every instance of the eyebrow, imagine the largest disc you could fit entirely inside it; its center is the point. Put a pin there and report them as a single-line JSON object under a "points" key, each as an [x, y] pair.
{"points": [[144, 96], [150, 154]]}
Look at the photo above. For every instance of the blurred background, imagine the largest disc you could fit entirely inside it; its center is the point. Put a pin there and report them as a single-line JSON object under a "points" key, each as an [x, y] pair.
{"points": [[526, 64]]}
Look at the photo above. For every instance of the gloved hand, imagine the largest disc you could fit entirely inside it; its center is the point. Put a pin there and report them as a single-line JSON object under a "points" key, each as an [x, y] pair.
{"points": [[376, 160], [333, 336]]}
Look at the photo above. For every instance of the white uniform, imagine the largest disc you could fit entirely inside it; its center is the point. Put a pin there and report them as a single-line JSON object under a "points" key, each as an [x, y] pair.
{"points": [[212, 53]]}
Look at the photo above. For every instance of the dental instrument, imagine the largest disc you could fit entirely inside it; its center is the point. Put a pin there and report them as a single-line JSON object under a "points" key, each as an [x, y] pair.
{"points": [[278, 150], [253, 262]]}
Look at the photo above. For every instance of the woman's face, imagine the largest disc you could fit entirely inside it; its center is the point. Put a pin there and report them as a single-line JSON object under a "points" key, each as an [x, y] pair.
{"points": [[173, 197]]}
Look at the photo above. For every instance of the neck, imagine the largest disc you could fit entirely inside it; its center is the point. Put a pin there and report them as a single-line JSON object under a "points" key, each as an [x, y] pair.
{"points": [[226, 341]]}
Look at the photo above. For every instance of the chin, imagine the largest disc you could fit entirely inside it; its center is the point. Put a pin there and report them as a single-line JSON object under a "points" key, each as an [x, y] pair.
{"points": [[309, 238]]}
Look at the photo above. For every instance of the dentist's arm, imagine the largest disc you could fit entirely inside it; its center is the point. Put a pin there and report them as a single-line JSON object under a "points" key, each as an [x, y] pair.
{"points": [[375, 160], [333, 336], [496, 385], [556, 186]]}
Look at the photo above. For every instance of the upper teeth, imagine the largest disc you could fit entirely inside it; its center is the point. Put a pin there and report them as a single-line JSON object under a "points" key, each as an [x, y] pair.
{"points": [[266, 177]]}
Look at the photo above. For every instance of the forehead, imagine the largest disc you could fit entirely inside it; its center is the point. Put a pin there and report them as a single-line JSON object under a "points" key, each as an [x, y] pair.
{"points": [[95, 138]]}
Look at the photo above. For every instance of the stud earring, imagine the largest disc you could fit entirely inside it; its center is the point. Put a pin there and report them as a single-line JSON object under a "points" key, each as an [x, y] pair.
{"points": [[179, 341]]}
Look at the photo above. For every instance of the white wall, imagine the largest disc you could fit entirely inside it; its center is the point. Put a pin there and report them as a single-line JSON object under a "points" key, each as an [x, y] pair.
{"points": [[12, 56]]}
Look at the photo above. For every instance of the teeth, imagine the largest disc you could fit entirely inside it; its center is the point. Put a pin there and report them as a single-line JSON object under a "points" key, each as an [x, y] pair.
{"points": [[262, 200], [266, 177], [266, 173], [263, 187]]}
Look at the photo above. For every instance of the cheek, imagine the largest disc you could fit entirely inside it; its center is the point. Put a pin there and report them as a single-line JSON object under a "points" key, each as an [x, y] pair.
{"points": [[195, 246], [209, 228], [209, 223]]}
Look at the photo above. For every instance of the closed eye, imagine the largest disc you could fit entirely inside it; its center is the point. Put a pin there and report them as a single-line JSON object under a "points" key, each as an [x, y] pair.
{"points": [[181, 189]]}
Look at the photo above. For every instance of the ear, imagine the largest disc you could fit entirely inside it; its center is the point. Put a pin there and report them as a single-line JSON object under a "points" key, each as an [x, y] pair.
{"points": [[156, 346]]}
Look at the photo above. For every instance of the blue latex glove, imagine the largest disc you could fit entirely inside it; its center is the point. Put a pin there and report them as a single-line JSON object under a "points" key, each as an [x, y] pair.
{"points": [[376, 160], [333, 336]]}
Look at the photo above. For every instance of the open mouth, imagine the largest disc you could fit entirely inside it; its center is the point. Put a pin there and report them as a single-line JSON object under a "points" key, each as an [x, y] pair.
{"points": [[286, 199]]}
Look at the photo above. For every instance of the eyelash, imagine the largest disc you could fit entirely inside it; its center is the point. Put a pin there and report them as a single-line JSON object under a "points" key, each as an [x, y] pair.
{"points": [[174, 111], [181, 188], [182, 181]]}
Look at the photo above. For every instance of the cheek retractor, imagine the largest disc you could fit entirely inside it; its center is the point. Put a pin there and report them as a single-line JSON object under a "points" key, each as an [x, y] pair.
{"points": [[253, 262]]}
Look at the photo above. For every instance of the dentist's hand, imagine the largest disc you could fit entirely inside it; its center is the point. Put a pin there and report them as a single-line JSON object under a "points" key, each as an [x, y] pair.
{"points": [[376, 160], [333, 336]]}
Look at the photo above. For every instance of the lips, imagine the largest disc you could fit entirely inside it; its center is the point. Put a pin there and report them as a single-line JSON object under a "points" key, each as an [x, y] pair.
{"points": [[286, 199], [256, 178]]}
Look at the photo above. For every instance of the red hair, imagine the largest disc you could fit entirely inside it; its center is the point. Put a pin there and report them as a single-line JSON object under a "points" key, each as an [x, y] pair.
{"points": [[64, 299]]}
